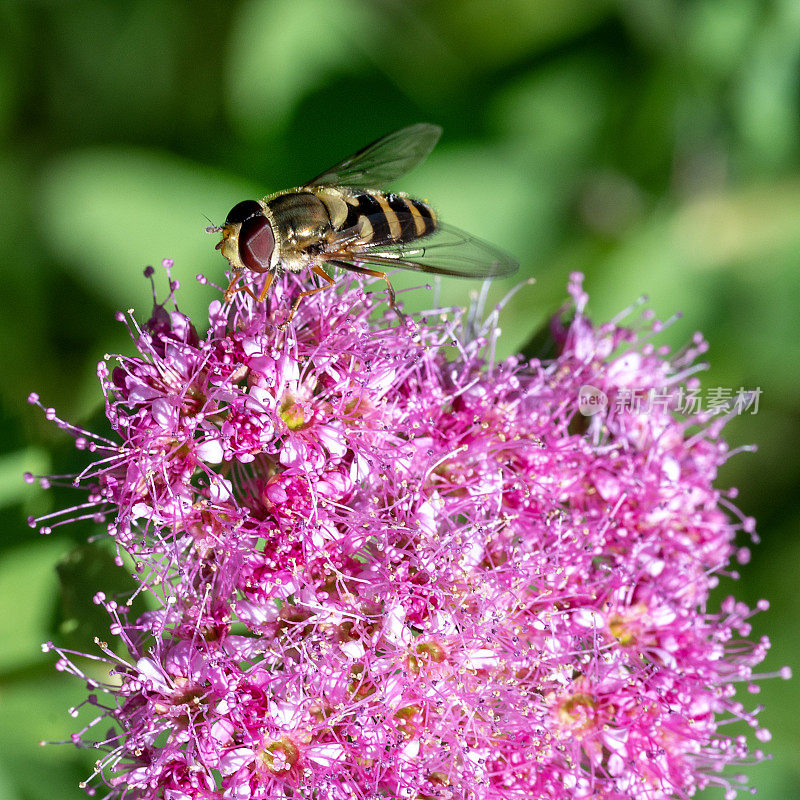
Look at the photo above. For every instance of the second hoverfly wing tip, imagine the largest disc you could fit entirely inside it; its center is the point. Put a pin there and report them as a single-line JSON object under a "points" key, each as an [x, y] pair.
{"points": [[436, 130]]}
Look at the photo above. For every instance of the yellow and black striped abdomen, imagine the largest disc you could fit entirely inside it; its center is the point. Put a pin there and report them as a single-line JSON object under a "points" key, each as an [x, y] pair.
{"points": [[387, 218]]}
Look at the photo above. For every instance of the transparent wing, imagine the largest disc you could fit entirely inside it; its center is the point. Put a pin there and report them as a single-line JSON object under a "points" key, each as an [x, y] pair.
{"points": [[446, 251], [384, 160]]}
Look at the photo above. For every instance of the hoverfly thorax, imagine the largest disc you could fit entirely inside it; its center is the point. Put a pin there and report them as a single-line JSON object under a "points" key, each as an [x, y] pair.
{"points": [[248, 240]]}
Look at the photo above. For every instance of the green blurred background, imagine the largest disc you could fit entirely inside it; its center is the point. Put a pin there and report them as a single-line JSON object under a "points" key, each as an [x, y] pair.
{"points": [[652, 144]]}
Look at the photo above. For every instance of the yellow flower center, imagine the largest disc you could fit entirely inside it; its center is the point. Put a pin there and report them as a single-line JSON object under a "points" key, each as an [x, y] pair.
{"points": [[279, 756], [293, 414], [621, 631], [576, 712]]}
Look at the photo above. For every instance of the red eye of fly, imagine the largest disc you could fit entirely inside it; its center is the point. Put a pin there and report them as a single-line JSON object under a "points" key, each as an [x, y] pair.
{"points": [[256, 243]]}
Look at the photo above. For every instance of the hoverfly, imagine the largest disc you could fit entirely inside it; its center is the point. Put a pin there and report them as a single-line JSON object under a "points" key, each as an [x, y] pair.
{"points": [[342, 218]]}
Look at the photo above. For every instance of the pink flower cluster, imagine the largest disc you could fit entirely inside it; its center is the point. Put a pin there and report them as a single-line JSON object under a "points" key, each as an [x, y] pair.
{"points": [[385, 566]]}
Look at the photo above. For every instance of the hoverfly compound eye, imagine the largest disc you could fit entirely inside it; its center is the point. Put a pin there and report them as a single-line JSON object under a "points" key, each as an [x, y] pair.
{"points": [[256, 243], [242, 211]]}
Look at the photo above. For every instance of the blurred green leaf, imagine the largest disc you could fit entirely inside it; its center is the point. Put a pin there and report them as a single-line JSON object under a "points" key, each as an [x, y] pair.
{"points": [[13, 488], [131, 41], [779, 778], [36, 710], [739, 226], [7, 790], [717, 31], [281, 50], [767, 94], [410, 49], [556, 113], [83, 572], [675, 256], [27, 591], [493, 35], [482, 190], [113, 211], [9, 55]]}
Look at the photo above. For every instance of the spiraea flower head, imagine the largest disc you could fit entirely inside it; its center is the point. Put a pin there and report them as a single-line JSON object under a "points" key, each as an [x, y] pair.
{"points": [[384, 565]]}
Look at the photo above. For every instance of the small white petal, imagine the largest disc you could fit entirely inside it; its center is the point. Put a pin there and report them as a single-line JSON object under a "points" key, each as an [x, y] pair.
{"points": [[588, 618], [210, 451], [394, 629], [353, 650], [481, 659], [325, 754], [235, 759], [153, 673]]}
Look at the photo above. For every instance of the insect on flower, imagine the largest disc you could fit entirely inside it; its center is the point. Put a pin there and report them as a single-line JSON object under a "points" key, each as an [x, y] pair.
{"points": [[342, 218]]}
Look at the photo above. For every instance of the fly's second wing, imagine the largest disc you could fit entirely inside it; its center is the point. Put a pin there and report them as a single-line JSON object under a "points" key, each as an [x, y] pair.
{"points": [[383, 161], [446, 251]]}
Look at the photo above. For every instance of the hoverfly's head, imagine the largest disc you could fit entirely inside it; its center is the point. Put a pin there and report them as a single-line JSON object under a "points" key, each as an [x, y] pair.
{"points": [[247, 238]]}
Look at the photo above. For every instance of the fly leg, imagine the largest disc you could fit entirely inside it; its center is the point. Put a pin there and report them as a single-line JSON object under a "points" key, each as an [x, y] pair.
{"points": [[378, 274], [317, 270], [230, 291], [267, 283]]}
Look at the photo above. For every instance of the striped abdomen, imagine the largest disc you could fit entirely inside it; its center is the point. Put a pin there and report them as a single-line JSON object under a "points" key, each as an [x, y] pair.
{"points": [[381, 218]]}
